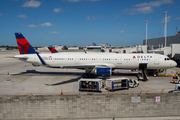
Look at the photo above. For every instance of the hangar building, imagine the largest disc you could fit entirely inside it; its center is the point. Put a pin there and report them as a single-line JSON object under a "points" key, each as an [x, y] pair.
{"points": [[160, 42]]}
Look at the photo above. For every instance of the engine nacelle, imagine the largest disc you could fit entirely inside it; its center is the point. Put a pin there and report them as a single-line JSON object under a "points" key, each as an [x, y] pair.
{"points": [[103, 71]]}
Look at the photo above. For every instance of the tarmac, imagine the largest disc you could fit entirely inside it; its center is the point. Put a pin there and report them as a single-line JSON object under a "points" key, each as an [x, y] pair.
{"points": [[21, 78]]}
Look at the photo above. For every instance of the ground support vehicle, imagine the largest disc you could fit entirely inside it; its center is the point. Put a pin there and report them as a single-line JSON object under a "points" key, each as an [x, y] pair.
{"points": [[90, 84], [133, 83], [177, 81], [177, 89], [116, 83]]}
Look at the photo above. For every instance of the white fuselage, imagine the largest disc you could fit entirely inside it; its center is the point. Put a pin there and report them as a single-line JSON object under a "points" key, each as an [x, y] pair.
{"points": [[111, 60]]}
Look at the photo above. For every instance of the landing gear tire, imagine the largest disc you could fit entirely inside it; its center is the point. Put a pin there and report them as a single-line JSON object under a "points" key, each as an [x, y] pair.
{"points": [[85, 75]]}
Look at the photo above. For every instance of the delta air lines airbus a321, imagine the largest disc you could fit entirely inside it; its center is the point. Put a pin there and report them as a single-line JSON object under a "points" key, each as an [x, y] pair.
{"points": [[101, 64]]}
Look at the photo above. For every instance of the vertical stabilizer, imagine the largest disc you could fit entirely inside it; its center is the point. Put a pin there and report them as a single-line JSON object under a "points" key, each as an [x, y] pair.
{"points": [[23, 45]]}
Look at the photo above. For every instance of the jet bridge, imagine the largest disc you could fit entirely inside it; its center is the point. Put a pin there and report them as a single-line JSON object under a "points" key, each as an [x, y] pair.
{"points": [[143, 67]]}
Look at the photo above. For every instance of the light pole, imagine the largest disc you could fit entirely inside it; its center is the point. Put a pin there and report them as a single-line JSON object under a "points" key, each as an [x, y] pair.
{"points": [[146, 31], [165, 28], [146, 34]]}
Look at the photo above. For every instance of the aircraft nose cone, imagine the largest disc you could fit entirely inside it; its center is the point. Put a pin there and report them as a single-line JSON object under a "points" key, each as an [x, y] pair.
{"points": [[174, 64]]}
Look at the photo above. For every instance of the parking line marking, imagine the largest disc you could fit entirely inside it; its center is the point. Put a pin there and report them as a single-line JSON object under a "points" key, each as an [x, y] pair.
{"points": [[162, 90], [147, 91]]}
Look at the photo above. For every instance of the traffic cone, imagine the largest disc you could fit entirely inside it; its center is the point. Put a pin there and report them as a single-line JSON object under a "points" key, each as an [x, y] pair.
{"points": [[61, 92]]}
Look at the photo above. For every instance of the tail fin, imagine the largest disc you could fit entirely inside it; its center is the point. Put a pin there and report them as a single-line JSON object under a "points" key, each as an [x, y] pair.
{"points": [[52, 49], [23, 45], [110, 50]]}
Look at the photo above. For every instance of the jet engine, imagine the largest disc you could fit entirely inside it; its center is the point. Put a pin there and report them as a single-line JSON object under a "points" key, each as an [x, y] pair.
{"points": [[102, 71]]}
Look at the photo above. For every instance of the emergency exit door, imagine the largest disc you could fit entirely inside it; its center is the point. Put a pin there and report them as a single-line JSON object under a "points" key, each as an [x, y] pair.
{"points": [[119, 60], [156, 60]]}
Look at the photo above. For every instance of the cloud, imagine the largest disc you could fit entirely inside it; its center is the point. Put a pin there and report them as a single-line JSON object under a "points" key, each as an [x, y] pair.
{"points": [[32, 26], [93, 0], [22, 16], [156, 33], [91, 18], [125, 24], [57, 10], [54, 32], [178, 18], [154, 3], [122, 31], [32, 3], [116, 17], [0, 14], [94, 18], [46, 24], [73, 0], [168, 19], [81, 0], [145, 8]]}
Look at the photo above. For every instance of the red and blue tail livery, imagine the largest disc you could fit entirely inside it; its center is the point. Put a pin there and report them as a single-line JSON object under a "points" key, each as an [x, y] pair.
{"points": [[23, 45], [52, 49]]}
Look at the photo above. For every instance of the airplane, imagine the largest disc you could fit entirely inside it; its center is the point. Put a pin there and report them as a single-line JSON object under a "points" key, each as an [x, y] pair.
{"points": [[53, 50], [101, 64]]}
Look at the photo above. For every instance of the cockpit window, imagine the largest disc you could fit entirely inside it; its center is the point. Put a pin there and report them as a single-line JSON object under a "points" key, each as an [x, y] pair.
{"points": [[166, 59]]}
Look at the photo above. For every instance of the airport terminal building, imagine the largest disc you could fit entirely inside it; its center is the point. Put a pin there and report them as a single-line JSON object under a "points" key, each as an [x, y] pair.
{"points": [[160, 42]]}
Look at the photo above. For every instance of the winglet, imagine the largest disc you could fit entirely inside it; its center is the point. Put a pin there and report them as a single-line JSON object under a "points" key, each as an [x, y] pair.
{"points": [[23, 45]]}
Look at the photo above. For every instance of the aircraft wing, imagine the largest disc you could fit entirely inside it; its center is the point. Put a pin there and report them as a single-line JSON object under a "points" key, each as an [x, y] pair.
{"points": [[85, 66]]}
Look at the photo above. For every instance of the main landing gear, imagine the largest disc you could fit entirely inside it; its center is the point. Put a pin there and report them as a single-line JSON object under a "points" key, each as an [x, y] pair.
{"points": [[86, 75]]}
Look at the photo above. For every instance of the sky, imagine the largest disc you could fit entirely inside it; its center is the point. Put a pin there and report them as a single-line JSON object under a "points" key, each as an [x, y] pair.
{"points": [[82, 22]]}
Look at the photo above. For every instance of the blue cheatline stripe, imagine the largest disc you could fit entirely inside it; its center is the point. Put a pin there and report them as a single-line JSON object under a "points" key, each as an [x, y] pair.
{"points": [[42, 61], [21, 47]]}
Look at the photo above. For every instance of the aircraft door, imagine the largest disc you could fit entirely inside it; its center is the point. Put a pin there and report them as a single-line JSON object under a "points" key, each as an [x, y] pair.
{"points": [[119, 60], [77, 59], [156, 60]]}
